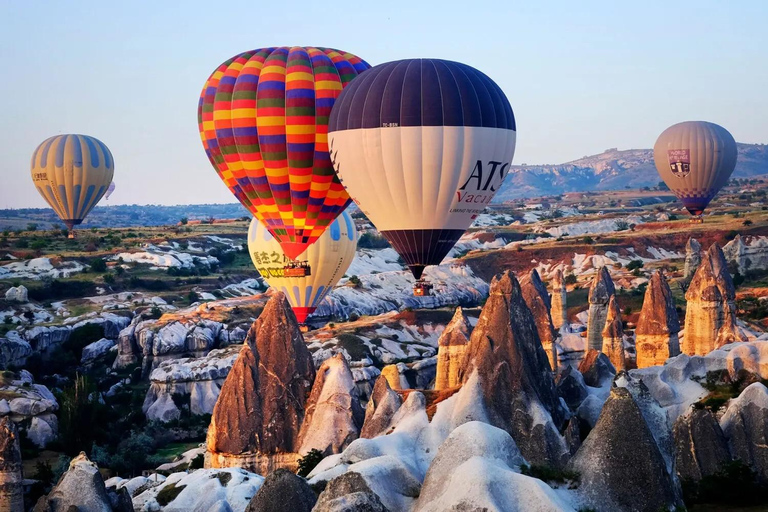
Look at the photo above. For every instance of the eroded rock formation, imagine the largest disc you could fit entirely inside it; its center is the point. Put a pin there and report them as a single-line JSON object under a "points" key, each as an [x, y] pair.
{"points": [[11, 487], [613, 335], [450, 352], [710, 318], [700, 446], [256, 420], [656, 338], [559, 311], [537, 299], [381, 408], [517, 389], [692, 258], [599, 297], [334, 415]]}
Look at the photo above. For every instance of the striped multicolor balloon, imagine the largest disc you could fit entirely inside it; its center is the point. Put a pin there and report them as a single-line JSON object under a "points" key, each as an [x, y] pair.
{"points": [[263, 119], [72, 173]]}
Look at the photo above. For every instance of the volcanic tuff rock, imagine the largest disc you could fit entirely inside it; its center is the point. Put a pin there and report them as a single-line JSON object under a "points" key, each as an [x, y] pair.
{"points": [[596, 369], [613, 335], [700, 446], [571, 387], [348, 493], [381, 408], [334, 415], [559, 311], [283, 491], [451, 348], [258, 415], [11, 487], [32, 405], [537, 299], [747, 254], [80, 488], [17, 294], [745, 425], [394, 376], [692, 258], [620, 464], [656, 334], [710, 319], [516, 383], [599, 296], [14, 350]]}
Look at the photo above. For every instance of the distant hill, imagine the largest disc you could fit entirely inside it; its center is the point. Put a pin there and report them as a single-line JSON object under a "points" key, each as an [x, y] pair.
{"points": [[611, 170]]}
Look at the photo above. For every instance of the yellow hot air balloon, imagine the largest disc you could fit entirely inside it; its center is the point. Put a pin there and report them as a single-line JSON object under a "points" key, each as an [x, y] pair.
{"points": [[329, 258], [72, 173]]}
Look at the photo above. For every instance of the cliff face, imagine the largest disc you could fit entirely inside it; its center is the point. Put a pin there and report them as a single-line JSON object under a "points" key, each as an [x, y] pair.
{"points": [[658, 325], [258, 414], [450, 352], [710, 319]]}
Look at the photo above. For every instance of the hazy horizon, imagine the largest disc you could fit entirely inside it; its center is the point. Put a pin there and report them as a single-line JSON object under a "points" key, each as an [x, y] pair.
{"points": [[580, 79]]}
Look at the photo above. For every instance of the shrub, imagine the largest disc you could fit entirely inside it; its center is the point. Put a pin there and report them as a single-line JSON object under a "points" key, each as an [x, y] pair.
{"points": [[32, 226], [571, 279], [192, 296], [198, 462], [549, 474], [372, 241], [634, 264], [308, 462], [734, 484], [168, 493], [98, 265], [355, 281], [588, 240]]}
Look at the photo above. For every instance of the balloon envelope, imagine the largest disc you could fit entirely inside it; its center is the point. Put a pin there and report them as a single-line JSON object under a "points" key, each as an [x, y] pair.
{"points": [[329, 258], [263, 120], [72, 173], [695, 159], [110, 189], [422, 146]]}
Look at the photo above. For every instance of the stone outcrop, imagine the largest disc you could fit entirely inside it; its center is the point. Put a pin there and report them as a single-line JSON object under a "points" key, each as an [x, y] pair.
{"points": [[613, 335], [283, 491], [656, 338], [196, 382], [14, 350], [381, 408], [334, 415], [599, 297], [745, 425], [516, 386], [692, 258], [17, 294], [80, 488], [32, 405], [11, 486], [256, 420], [747, 254], [349, 493], [571, 387], [451, 348], [596, 369], [710, 318], [537, 299], [559, 311], [700, 446], [620, 464]]}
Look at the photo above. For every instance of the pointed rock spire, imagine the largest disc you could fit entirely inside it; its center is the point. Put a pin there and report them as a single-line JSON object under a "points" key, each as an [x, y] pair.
{"points": [[450, 350], [613, 335], [262, 402], [505, 355], [657, 328], [559, 310], [333, 412], [692, 258], [381, 408], [599, 296], [537, 299], [710, 318]]}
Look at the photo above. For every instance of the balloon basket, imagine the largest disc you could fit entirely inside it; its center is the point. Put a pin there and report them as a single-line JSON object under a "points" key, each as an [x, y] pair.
{"points": [[697, 219], [422, 288], [303, 328], [71, 234], [297, 269]]}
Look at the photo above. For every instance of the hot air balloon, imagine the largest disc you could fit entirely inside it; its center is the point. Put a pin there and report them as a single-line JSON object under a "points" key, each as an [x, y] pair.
{"points": [[110, 189], [263, 120], [422, 146], [695, 159], [72, 173], [330, 256]]}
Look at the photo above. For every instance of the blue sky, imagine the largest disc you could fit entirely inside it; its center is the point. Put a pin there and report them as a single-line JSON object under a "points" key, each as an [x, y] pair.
{"points": [[581, 76]]}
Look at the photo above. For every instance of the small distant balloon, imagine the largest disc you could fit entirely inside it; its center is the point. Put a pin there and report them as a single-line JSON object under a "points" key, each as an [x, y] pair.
{"points": [[330, 257], [72, 173], [695, 159], [110, 189]]}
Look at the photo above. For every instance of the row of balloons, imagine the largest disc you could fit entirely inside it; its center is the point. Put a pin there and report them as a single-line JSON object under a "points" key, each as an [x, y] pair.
{"points": [[298, 133]]}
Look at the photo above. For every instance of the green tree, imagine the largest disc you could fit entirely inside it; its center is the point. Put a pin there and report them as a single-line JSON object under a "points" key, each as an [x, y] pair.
{"points": [[78, 415], [98, 265]]}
